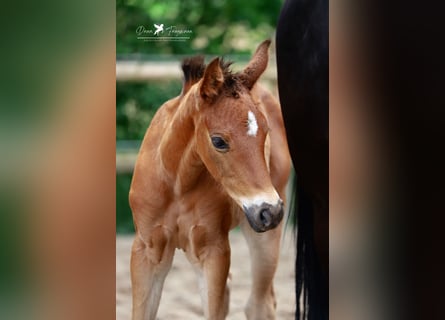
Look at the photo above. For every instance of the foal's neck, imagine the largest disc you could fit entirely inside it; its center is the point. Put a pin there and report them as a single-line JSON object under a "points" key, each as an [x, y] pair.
{"points": [[178, 146]]}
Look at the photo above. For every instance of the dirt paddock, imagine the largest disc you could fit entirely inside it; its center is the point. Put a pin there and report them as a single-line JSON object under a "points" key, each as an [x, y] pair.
{"points": [[180, 298]]}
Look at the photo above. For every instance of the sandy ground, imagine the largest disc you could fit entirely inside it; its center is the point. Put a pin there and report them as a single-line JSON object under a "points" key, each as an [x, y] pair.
{"points": [[180, 298]]}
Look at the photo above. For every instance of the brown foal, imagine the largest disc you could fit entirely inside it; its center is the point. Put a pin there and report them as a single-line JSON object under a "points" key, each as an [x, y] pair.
{"points": [[213, 158]]}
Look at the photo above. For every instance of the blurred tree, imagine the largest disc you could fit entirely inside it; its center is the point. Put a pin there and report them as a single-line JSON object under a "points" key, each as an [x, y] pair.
{"points": [[136, 103], [218, 26], [124, 219]]}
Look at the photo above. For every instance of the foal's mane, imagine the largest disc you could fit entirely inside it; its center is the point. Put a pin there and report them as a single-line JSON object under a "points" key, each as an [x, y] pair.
{"points": [[194, 67]]}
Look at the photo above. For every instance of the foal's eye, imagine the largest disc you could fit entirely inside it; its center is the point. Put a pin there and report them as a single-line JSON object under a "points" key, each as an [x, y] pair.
{"points": [[219, 143]]}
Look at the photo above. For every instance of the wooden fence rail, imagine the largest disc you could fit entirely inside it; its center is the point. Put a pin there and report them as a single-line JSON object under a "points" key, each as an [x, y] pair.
{"points": [[151, 70]]}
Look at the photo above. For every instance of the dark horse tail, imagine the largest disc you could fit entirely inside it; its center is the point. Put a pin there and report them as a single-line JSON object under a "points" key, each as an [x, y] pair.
{"points": [[311, 283], [303, 84]]}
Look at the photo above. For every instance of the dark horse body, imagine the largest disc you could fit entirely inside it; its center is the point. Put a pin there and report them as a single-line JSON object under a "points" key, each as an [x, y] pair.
{"points": [[302, 62]]}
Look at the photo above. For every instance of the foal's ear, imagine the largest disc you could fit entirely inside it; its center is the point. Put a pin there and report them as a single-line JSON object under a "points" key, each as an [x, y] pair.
{"points": [[212, 80], [256, 66]]}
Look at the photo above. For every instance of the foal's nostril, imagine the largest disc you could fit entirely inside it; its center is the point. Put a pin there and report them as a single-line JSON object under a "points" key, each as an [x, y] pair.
{"points": [[266, 217]]}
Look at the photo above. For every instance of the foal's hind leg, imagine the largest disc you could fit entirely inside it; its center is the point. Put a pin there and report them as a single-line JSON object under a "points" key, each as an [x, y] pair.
{"points": [[151, 259], [264, 253]]}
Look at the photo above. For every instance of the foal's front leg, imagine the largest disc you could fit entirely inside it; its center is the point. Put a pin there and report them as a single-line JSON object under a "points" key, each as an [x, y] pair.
{"points": [[214, 263], [151, 259], [264, 251]]}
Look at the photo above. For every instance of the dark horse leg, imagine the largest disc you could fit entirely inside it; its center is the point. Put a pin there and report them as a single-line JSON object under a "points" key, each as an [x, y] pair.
{"points": [[302, 62]]}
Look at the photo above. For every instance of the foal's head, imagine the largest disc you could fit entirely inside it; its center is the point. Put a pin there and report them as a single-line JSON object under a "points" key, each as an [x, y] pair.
{"points": [[232, 137]]}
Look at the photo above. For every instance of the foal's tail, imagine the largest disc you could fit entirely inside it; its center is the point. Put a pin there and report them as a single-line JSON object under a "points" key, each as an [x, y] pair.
{"points": [[310, 285]]}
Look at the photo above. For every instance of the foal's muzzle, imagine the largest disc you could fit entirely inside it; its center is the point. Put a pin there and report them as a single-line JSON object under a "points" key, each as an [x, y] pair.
{"points": [[265, 216]]}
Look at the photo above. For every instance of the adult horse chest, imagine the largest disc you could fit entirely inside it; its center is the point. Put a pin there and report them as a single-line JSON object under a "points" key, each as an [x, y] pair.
{"points": [[213, 158]]}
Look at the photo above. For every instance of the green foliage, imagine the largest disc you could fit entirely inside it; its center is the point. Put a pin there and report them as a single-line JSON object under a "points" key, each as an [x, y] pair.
{"points": [[15, 270], [137, 103], [124, 219], [219, 27]]}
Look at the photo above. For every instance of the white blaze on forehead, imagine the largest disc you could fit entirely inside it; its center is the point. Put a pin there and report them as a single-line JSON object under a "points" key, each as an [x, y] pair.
{"points": [[252, 124]]}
